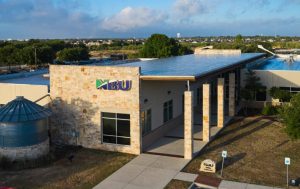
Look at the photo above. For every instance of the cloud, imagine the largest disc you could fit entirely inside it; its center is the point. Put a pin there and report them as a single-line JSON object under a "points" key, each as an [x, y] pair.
{"points": [[185, 9], [132, 18], [45, 19]]}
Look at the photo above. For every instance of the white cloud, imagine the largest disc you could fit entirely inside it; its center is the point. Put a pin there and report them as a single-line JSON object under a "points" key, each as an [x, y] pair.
{"points": [[132, 18], [185, 9]]}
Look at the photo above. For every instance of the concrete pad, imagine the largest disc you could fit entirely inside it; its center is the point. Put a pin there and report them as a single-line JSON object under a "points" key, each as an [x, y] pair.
{"points": [[132, 186], [154, 178], [186, 177], [144, 159], [127, 173], [110, 184], [253, 186], [230, 185], [169, 163]]}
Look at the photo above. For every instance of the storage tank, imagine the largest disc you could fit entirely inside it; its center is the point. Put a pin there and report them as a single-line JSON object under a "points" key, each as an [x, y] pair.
{"points": [[23, 130]]}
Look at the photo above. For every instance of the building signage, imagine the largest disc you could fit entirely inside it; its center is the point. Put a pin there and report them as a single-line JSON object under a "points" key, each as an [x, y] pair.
{"points": [[106, 84], [208, 165]]}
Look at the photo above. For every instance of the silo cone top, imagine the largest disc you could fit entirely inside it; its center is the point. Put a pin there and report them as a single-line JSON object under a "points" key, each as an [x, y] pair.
{"points": [[21, 110]]}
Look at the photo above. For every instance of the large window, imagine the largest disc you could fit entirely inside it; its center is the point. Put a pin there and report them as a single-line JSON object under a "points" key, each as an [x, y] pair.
{"points": [[168, 110], [116, 128], [261, 95], [146, 121]]}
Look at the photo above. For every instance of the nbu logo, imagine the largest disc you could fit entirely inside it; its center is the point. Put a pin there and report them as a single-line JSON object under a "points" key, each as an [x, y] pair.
{"points": [[106, 84]]}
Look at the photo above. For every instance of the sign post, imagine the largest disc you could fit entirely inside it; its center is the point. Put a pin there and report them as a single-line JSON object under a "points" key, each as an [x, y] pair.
{"points": [[287, 162], [224, 155]]}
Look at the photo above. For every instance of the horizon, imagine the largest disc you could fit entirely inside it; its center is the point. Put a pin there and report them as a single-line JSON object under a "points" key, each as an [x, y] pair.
{"points": [[90, 19]]}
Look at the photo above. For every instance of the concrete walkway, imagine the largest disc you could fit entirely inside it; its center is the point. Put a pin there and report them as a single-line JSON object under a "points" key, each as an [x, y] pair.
{"points": [[144, 172], [238, 185], [224, 183]]}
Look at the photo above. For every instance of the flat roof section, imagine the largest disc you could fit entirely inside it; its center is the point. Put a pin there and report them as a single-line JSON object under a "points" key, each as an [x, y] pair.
{"points": [[32, 80], [190, 67]]}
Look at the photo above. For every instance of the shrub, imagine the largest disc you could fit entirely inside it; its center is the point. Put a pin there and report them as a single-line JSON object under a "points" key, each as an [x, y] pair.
{"points": [[282, 95], [290, 114], [269, 110]]}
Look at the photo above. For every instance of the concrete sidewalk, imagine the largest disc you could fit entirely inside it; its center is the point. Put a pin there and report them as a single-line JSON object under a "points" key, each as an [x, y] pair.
{"points": [[144, 172], [224, 184], [238, 185]]}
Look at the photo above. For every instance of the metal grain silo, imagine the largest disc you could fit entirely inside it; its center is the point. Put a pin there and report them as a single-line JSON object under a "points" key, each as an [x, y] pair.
{"points": [[23, 129]]}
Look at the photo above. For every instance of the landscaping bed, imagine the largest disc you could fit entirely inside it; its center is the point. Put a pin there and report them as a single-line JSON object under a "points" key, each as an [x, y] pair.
{"points": [[256, 149]]}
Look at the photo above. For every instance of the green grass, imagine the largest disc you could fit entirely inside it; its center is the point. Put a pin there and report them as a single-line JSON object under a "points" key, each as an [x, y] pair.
{"points": [[89, 167], [178, 184], [256, 147]]}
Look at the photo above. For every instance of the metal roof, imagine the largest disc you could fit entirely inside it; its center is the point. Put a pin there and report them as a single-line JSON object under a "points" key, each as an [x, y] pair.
{"points": [[21, 109], [31, 80], [191, 66]]}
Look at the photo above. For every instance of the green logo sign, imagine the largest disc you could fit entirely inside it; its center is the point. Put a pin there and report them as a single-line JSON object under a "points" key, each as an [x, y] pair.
{"points": [[106, 84]]}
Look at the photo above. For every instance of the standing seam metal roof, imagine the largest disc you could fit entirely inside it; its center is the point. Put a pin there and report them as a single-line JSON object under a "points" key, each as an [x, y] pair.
{"points": [[21, 110]]}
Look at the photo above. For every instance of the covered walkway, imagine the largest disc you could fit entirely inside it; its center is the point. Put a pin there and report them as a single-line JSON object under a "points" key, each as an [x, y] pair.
{"points": [[172, 144]]}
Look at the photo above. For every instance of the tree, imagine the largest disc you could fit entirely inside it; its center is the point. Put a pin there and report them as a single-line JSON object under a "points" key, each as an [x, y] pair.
{"points": [[73, 54], [238, 39], [290, 114], [160, 46], [252, 86]]}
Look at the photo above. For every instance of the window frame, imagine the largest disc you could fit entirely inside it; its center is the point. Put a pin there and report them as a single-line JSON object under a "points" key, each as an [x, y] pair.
{"points": [[116, 118], [168, 108]]}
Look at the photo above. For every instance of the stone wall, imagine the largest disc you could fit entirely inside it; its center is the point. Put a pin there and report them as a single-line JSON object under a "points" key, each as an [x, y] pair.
{"points": [[77, 105], [28, 152]]}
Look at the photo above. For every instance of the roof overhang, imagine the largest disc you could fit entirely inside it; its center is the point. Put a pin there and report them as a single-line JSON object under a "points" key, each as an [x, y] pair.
{"points": [[167, 78], [206, 75]]}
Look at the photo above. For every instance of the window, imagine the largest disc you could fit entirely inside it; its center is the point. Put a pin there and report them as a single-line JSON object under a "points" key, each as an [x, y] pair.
{"points": [[116, 128], [146, 121], [168, 110], [261, 95]]}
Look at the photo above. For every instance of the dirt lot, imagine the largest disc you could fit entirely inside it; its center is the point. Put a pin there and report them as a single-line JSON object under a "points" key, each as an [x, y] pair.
{"points": [[256, 147], [88, 168]]}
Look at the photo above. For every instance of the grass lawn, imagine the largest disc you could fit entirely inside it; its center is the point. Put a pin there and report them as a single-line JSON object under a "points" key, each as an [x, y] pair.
{"points": [[178, 184], [88, 168], [256, 148]]}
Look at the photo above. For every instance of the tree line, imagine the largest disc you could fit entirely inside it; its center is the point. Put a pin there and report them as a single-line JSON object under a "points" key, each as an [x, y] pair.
{"points": [[39, 52]]}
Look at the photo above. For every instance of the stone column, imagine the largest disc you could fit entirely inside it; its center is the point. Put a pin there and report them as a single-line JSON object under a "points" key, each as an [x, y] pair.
{"points": [[206, 112], [220, 102], [188, 124], [231, 94]]}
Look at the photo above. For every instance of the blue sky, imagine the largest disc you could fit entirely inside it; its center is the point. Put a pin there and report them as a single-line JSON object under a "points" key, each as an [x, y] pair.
{"points": [[21, 19]]}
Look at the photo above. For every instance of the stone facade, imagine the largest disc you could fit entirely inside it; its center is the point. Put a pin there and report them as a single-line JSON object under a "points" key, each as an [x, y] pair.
{"points": [[220, 102], [206, 112], [232, 94], [77, 105], [28, 152], [188, 124]]}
